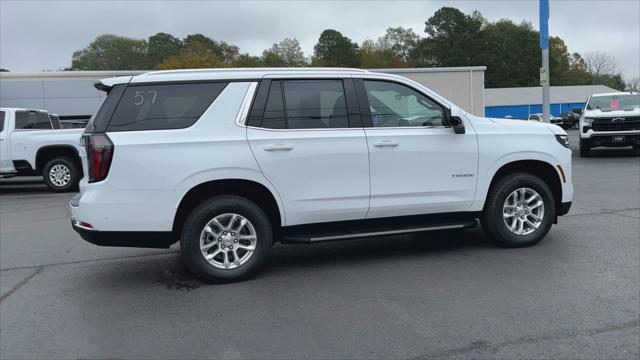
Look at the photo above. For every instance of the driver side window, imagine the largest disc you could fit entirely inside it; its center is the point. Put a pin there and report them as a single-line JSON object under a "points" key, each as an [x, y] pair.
{"points": [[396, 105]]}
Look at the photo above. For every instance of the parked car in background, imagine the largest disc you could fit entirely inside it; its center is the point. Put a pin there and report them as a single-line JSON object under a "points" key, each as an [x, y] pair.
{"points": [[540, 117], [610, 120], [32, 143], [569, 120], [229, 161]]}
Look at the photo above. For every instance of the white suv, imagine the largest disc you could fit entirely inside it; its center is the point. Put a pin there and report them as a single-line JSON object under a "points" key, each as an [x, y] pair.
{"points": [[229, 161]]}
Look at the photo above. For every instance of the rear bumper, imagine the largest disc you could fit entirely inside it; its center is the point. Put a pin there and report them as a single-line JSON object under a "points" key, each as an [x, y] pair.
{"points": [[141, 239], [564, 208]]}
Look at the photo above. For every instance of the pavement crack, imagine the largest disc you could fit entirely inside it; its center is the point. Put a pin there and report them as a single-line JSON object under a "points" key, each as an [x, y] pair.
{"points": [[21, 283], [558, 335]]}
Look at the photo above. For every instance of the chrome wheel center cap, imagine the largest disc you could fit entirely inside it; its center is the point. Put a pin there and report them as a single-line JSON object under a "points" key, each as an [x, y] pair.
{"points": [[228, 239]]}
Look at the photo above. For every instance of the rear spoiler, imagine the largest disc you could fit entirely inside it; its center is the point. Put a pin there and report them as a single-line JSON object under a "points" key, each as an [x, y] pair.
{"points": [[106, 84], [102, 87]]}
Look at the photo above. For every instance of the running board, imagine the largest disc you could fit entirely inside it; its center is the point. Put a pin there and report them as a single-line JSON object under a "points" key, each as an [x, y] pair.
{"points": [[362, 233]]}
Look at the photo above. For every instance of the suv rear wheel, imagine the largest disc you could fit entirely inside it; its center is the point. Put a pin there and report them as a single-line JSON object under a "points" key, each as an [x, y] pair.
{"points": [[519, 210], [225, 239], [61, 174]]}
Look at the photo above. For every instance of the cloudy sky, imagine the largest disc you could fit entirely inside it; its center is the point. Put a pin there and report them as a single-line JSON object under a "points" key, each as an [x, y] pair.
{"points": [[42, 35]]}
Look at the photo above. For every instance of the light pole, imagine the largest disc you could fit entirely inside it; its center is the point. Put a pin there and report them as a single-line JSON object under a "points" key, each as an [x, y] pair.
{"points": [[544, 70]]}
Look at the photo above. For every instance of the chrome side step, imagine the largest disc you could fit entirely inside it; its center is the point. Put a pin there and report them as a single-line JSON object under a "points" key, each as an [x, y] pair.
{"points": [[313, 238]]}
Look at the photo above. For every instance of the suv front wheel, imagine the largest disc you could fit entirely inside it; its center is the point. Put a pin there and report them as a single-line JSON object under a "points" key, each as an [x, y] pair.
{"points": [[519, 211], [226, 239]]}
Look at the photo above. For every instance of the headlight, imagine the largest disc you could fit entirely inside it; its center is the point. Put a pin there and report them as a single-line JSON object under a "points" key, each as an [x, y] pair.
{"points": [[587, 121], [563, 140]]}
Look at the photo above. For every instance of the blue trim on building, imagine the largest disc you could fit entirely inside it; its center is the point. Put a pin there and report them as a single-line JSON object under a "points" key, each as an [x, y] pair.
{"points": [[523, 111]]}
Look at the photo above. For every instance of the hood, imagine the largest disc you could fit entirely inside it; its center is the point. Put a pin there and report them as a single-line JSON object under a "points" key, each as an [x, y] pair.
{"points": [[597, 113], [533, 125]]}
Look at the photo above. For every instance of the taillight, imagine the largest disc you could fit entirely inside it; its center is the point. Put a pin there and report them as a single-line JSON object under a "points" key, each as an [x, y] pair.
{"points": [[99, 150]]}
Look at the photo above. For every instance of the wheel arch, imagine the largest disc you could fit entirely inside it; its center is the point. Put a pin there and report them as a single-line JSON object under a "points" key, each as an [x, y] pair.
{"points": [[542, 169], [46, 153], [250, 189]]}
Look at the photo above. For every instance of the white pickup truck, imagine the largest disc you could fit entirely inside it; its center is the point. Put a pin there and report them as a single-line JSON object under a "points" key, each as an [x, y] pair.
{"points": [[32, 143]]}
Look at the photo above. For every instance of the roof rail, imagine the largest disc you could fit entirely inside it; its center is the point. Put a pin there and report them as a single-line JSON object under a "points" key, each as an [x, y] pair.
{"points": [[264, 69]]}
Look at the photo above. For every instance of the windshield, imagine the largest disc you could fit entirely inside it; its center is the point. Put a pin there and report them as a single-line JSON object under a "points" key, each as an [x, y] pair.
{"points": [[626, 102]]}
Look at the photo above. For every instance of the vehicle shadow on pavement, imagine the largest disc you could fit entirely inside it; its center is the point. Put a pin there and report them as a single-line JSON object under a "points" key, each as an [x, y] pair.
{"points": [[286, 258], [22, 186], [168, 270], [611, 153]]}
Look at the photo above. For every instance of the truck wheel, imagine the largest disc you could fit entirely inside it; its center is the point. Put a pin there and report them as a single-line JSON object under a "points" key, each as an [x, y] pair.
{"points": [[636, 150], [585, 150], [61, 174], [226, 239], [519, 211]]}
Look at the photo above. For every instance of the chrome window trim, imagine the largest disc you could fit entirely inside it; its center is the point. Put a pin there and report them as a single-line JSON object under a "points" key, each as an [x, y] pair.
{"points": [[243, 112]]}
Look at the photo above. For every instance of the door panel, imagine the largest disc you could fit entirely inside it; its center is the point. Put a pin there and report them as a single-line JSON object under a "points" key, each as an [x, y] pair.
{"points": [[299, 133], [321, 175], [421, 171], [418, 164]]}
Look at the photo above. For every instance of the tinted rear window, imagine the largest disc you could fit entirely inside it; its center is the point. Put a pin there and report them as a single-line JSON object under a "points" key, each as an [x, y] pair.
{"points": [[1, 120], [168, 106], [32, 120], [99, 122]]}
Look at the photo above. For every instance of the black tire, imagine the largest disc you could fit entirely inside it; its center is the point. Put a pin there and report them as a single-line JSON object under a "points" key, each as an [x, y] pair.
{"points": [[201, 215], [585, 150], [492, 217], [636, 150], [63, 186]]}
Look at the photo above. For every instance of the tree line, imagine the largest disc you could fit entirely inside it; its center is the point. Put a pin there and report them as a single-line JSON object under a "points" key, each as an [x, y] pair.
{"points": [[510, 52]]}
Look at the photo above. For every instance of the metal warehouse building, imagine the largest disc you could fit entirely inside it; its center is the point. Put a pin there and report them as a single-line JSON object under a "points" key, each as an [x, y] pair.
{"points": [[71, 94], [518, 103]]}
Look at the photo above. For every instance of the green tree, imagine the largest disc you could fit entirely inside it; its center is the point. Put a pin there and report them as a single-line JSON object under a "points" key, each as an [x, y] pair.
{"points": [[246, 60], [194, 56], [374, 56], [161, 46], [226, 52], [400, 41], [285, 53], [335, 49], [453, 36], [112, 52]]}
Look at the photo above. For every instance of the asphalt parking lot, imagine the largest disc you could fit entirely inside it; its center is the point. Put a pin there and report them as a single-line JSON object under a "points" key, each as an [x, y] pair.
{"points": [[454, 295]]}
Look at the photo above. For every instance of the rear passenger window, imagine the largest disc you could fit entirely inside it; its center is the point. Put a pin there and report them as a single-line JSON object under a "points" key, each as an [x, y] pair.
{"points": [[1, 120], [26, 120], [315, 104], [156, 107]]}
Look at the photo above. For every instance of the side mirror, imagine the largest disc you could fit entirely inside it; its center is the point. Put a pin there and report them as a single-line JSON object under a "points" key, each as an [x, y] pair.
{"points": [[577, 111], [458, 125]]}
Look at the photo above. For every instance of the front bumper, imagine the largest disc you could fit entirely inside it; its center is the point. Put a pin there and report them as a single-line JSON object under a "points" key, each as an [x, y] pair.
{"points": [[595, 139]]}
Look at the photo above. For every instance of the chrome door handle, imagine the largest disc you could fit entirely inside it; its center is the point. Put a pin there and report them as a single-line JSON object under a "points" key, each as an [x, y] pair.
{"points": [[276, 147], [385, 143]]}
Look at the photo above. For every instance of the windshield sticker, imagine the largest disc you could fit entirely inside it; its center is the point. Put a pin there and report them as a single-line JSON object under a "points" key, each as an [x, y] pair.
{"points": [[614, 104]]}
